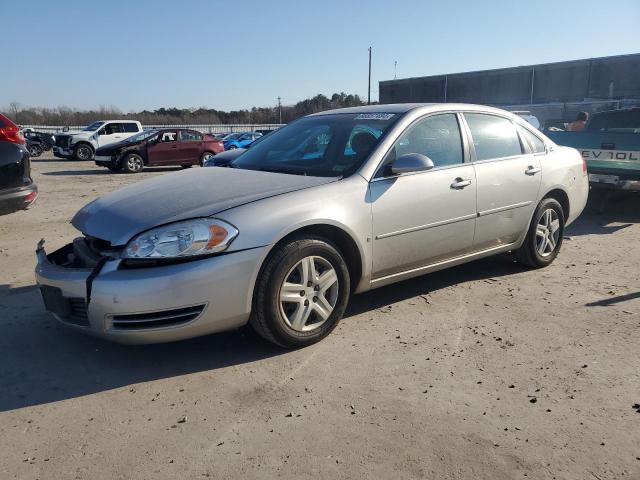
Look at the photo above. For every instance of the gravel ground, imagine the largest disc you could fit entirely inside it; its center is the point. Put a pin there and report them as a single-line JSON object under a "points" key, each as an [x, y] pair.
{"points": [[484, 371]]}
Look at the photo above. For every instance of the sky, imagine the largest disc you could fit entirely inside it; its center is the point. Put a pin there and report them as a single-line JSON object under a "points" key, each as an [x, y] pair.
{"points": [[229, 55]]}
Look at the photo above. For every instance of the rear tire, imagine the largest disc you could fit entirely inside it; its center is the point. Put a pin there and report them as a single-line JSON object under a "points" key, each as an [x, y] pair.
{"points": [[34, 150], [292, 308], [133, 163], [544, 237]]}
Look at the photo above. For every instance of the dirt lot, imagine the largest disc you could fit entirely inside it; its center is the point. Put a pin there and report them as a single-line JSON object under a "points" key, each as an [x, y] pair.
{"points": [[485, 371]]}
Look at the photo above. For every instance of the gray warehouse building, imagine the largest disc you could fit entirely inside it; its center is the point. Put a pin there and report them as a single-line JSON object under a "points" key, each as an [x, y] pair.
{"points": [[551, 90]]}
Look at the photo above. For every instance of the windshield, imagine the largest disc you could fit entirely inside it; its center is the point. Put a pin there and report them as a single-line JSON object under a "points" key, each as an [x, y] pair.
{"points": [[322, 146], [93, 127], [626, 121], [141, 136]]}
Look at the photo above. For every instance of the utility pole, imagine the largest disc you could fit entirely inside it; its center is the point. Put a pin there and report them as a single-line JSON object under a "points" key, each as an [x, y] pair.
{"points": [[280, 110], [395, 69], [369, 89]]}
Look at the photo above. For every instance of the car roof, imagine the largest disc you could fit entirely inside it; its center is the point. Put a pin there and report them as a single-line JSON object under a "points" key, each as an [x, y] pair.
{"points": [[401, 108]]}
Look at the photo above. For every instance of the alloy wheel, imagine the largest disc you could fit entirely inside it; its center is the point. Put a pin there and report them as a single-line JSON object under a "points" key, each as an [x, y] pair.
{"points": [[309, 294], [547, 232], [134, 163], [84, 153]]}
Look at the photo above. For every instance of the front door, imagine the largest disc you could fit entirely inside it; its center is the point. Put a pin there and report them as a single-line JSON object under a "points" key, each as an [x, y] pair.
{"points": [[508, 180], [164, 151], [424, 217], [110, 133]]}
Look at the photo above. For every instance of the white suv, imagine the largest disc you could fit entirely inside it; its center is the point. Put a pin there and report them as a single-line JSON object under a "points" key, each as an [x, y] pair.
{"points": [[82, 145]]}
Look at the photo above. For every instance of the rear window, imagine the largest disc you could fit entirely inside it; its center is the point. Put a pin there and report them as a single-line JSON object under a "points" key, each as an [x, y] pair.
{"points": [[537, 145], [130, 127], [493, 136], [621, 122]]}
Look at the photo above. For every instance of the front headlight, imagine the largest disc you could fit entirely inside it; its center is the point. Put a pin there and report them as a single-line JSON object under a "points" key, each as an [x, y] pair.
{"points": [[201, 236]]}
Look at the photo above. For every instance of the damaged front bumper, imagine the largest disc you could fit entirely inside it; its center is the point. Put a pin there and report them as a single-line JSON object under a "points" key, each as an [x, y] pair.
{"points": [[99, 295]]}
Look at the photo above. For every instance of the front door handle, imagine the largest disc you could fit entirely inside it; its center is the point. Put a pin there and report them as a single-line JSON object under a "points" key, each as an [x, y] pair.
{"points": [[531, 170], [460, 183]]}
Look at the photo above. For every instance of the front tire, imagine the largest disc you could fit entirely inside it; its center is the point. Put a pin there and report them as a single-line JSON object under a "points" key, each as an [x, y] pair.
{"points": [[301, 293], [206, 156], [34, 150], [544, 237], [133, 163], [83, 152]]}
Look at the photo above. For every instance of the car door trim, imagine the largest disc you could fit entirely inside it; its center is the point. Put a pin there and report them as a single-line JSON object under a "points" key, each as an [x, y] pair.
{"points": [[504, 208], [414, 272], [424, 227]]}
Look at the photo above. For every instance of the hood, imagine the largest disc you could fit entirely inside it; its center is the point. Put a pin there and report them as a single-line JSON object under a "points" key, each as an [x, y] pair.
{"points": [[116, 146], [200, 192]]}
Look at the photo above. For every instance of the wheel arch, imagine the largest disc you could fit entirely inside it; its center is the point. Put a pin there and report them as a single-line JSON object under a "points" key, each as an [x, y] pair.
{"points": [[336, 234], [562, 197], [84, 142]]}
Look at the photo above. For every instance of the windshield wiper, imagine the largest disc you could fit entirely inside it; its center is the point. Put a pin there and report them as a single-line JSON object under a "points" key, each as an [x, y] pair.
{"points": [[291, 171]]}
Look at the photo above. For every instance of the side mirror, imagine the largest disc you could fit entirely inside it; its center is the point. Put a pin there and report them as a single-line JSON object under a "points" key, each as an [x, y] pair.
{"points": [[102, 132], [411, 162]]}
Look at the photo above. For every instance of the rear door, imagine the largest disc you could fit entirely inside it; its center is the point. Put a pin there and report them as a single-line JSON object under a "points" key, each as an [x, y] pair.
{"points": [[508, 178], [190, 146], [164, 150]]}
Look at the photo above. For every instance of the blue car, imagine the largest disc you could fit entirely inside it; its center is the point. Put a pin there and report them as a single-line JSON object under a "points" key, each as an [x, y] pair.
{"points": [[242, 140]]}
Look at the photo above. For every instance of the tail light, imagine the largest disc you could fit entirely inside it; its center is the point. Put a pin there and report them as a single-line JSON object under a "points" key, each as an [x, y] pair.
{"points": [[584, 165], [9, 131]]}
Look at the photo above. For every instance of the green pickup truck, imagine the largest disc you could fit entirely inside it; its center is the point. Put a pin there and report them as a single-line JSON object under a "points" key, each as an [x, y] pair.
{"points": [[610, 143]]}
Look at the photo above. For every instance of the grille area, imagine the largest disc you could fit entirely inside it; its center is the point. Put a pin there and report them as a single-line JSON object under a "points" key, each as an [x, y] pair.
{"points": [[62, 141], [161, 318]]}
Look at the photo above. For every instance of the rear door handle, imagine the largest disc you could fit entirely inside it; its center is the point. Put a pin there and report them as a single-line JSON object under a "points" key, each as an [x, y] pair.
{"points": [[460, 183], [531, 170]]}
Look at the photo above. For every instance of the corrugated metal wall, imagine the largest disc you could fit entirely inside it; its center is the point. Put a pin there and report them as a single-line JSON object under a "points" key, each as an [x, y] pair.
{"points": [[615, 77]]}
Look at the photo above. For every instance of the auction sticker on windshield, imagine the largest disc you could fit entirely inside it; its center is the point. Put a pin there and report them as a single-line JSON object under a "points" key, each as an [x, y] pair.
{"points": [[374, 116]]}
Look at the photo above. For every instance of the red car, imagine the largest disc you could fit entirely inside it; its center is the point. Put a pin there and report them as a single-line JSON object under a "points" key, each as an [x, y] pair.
{"points": [[168, 146]]}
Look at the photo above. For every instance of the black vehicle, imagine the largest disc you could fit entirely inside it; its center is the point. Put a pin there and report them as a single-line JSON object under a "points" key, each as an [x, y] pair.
{"points": [[34, 146], [17, 190], [46, 140]]}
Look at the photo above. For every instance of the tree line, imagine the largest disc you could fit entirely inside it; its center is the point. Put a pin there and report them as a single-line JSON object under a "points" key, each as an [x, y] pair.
{"points": [[181, 116]]}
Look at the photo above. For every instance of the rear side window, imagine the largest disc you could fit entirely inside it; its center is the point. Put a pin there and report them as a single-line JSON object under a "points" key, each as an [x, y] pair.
{"points": [[130, 127], [189, 136], [493, 136], [537, 145]]}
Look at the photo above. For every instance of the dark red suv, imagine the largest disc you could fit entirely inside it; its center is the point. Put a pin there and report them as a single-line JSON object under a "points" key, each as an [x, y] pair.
{"points": [[170, 146], [17, 190]]}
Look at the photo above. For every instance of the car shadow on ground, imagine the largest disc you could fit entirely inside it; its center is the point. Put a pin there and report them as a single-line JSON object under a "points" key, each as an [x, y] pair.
{"points": [[66, 173], [607, 213], [43, 362]]}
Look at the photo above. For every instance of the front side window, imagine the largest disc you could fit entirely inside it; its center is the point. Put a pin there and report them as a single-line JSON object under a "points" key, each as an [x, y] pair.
{"points": [[111, 128], [168, 136], [537, 145], [493, 136], [437, 137], [189, 136], [325, 145]]}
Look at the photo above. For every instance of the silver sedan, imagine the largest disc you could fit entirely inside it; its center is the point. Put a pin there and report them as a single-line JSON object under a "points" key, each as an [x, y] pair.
{"points": [[331, 205]]}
